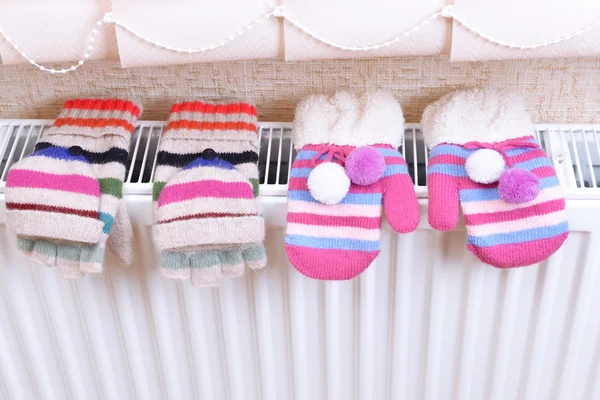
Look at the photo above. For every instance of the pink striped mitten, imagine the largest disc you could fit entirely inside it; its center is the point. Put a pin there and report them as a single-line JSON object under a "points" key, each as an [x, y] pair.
{"points": [[483, 156], [346, 167]]}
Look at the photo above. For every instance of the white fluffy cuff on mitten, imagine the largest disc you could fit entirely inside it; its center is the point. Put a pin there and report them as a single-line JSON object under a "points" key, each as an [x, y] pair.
{"points": [[349, 119], [483, 115]]}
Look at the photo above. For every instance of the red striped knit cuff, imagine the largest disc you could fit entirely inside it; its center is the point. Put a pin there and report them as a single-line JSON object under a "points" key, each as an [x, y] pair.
{"points": [[97, 117], [205, 120]]}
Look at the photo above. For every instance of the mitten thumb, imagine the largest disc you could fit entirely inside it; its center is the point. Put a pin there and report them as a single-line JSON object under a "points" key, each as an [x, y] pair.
{"points": [[120, 240], [400, 203]]}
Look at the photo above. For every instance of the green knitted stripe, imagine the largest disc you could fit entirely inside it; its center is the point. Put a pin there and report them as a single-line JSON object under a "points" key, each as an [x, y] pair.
{"points": [[255, 253], [156, 189], [92, 254], [111, 186], [255, 184], [232, 257]]}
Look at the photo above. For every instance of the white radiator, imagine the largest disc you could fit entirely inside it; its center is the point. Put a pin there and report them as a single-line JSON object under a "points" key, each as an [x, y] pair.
{"points": [[425, 321]]}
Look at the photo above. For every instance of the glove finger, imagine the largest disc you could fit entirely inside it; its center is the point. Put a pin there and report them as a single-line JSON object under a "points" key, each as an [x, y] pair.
{"points": [[232, 263], [69, 269], [255, 256], [206, 269], [175, 265], [120, 240], [91, 258], [44, 252], [25, 245]]}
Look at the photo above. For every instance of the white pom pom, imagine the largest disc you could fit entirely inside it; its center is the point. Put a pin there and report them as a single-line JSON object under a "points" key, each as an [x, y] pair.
{"points": [[328, 183], [485, 166]]}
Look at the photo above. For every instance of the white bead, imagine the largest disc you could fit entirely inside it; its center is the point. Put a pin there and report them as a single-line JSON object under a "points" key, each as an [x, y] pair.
{"points": [[52, 71], [80, 62], [86, 55], [31, 62], [328, 183], [485, 166]]}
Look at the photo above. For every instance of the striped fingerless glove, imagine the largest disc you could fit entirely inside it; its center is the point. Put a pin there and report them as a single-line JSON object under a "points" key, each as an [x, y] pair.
{"points": [[207, 220], [62, 201], [484, 157], [346, 167]]}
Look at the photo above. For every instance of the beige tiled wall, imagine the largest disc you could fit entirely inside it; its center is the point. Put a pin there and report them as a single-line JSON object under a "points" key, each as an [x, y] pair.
{"points": [[557, 90]]}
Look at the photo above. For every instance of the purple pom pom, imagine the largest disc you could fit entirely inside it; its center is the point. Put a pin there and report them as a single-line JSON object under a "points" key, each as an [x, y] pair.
{"points": [[365, 165], [518, 185]]}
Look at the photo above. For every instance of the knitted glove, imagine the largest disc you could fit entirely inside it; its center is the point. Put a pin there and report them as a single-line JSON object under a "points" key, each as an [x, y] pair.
{"points": [[64, 199], [207, 221], [484, 156], [347, 165]]}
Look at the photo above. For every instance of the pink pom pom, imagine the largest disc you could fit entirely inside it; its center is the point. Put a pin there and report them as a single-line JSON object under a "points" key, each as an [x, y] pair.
{"points": [[518, 185], [365, 165]]}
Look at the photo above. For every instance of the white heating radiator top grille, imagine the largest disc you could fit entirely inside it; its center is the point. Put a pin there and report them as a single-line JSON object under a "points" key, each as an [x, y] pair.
{"points": [[574, 150]]}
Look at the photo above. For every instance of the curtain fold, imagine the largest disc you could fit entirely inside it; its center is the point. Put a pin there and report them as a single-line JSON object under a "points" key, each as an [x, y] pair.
{"points": [[52, 31], [58, 31], [194, 24], [364, 23], [524, 22]]}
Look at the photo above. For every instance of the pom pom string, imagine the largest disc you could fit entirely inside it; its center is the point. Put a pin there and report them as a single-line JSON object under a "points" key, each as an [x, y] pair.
{"points": [[503, 147], [332, 152]]}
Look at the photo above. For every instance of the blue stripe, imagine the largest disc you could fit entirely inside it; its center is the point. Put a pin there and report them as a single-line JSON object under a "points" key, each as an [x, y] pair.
{"points": [[448, 169], [300, 172], [203, 162], [526, 235], [395, 169], [59, 153], [108, 222], [457, 150], [389, 152], [307, 155], [467, 195], [332, 243], [350, 198], [534, 163]]}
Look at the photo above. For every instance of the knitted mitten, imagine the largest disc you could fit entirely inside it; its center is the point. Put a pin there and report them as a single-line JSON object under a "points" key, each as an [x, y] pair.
{"points": [[484, 156], [207, 221], [64, 199], [347, 165]]}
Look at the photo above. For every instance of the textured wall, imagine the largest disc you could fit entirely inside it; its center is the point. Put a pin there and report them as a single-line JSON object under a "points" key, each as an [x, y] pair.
{"points": [[558, 90]]}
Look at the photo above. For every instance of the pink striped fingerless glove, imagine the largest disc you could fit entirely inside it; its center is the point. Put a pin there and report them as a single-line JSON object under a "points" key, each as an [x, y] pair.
{"points": [[346, 167], [484, 157]]}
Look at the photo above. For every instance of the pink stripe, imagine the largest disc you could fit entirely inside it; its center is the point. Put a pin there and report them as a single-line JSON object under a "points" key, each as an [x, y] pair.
{"points": [[309, 163], [68, 183], [476, 207], [456, 160], [341, 232], [329, 264], [300, 184], [345, 210], [394, 160], [532, 221], [528, 155], [546, 207], [390, 160], [518, 254], [209, 188], [447, 159], [315, 219], [321, 146], [467, 183]]}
